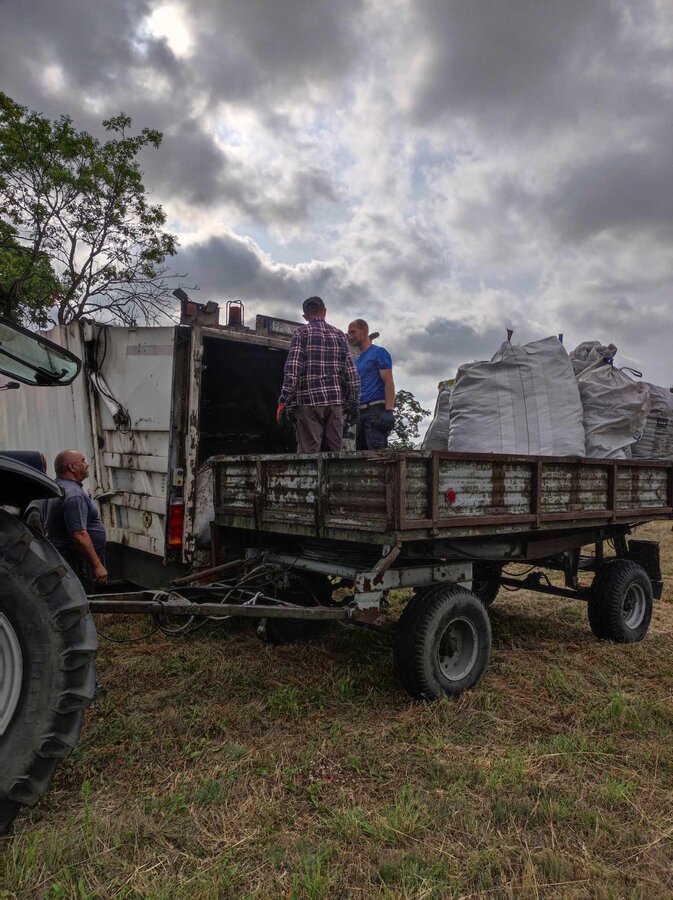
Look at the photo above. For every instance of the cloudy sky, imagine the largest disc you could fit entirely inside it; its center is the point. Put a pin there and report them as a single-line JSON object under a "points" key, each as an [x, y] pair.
{"points": [[446, 169]]}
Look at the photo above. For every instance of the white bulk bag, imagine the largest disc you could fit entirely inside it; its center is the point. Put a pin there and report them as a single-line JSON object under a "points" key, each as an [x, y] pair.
{"points": [[615, 410], [437, 435], [589, 352], [657, 438], [524, 401]]}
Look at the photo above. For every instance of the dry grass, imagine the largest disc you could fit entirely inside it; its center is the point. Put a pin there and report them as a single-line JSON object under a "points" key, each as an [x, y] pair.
{"points": [[222, 767]]}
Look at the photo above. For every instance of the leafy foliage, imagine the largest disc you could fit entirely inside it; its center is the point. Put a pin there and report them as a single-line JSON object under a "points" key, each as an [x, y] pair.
{"points": [[408, 416], [27, 286], [78, 234]]}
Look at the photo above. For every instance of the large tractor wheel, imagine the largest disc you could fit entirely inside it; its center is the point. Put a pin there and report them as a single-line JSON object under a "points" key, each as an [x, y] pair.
{"points": [[620, 602], [442, 643], [47, 664]]}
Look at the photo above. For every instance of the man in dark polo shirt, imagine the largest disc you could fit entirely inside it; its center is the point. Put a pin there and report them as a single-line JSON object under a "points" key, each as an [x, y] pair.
{"points": [[72, 522]]}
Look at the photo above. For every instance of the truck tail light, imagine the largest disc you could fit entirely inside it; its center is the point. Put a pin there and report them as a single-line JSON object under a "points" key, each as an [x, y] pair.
{"points": [[176, 524]]}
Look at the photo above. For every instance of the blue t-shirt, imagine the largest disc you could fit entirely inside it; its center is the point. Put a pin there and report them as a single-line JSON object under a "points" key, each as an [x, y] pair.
{"points": [[76, 511], [369, 365]]}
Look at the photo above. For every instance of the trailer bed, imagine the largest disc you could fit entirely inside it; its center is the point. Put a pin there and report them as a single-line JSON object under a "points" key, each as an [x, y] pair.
{"points": [[392, 497]]}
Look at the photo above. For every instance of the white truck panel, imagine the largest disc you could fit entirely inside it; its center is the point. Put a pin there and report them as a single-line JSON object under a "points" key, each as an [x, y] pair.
{"points": [[34, 418]]}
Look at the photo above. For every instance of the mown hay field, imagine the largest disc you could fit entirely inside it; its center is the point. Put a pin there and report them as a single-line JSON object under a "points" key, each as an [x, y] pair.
{"points": [[219, 766]]}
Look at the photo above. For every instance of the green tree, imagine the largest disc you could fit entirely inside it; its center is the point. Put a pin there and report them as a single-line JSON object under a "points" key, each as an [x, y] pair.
{"points": [[77, 206], [28, 288], [408, 416]]}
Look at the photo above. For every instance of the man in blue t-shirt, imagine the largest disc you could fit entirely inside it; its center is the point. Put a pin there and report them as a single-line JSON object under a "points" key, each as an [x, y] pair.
{"points": [[72, 522], [377, 392]]}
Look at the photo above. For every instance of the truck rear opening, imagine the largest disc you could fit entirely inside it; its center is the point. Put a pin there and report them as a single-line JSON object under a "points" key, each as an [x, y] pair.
{"points": [[240, 383]]}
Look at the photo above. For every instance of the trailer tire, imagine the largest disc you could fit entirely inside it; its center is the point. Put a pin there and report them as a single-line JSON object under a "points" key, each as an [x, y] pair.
{"points": [[306, 589], [47, 664], [486, 580], [442, 643], [620, 602]]}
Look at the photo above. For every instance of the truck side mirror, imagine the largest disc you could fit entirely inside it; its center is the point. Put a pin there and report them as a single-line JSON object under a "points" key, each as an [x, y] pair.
{"points": [[33, 359]]}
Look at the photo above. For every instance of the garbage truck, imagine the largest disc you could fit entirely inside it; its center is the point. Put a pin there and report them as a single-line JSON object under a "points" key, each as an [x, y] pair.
{"points": [[152, 406]]}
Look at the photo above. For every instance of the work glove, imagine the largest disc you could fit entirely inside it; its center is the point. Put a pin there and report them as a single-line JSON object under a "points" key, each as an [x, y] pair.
{"points": [[388, 419], [279, 413]]}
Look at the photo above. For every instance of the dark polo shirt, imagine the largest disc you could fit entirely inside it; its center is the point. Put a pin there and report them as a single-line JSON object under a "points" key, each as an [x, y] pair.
{"points": [[76, 511]]}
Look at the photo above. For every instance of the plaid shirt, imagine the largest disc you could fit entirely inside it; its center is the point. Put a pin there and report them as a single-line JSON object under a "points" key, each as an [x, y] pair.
{"points": [[319, 370]]}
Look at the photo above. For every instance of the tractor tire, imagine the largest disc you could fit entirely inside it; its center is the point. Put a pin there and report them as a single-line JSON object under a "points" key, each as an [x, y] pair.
{"points": [[442, 643], [486, 580], [47, 664], [620, 602]]}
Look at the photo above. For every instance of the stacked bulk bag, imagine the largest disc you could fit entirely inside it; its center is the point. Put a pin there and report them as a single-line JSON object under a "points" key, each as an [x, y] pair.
{"points": [[524, 401], [437, 435], [589, 352], [657, 438], [615, 406]]}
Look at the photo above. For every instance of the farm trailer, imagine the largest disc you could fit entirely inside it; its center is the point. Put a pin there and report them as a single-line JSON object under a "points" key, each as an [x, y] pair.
{"points": [[285, 531]]}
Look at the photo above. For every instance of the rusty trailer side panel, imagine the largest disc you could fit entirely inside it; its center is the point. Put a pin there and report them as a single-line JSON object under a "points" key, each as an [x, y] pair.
{"points": [[388, 497]]}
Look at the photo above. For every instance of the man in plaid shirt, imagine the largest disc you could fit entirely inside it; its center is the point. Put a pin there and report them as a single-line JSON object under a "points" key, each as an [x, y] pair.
{"points": [[320, 381]]}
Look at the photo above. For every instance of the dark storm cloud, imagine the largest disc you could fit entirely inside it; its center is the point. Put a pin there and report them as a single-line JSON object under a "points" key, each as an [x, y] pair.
{"points": [[94, 43], [242, 50], [627, 190], [229, 267], [192, 167], [270, 48], [441, 346], [535, 63]]}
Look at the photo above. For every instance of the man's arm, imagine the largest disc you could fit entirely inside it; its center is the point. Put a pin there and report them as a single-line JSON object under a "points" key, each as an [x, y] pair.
{"points": [[389, 387], [86, 549], [293, 367]]}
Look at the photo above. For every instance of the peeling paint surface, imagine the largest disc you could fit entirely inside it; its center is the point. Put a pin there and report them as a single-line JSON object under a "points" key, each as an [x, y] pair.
{"points": [[388, 497]]}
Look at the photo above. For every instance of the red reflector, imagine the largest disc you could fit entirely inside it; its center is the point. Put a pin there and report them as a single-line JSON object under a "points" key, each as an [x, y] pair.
{"points": [[176, 524], [451, 496]]}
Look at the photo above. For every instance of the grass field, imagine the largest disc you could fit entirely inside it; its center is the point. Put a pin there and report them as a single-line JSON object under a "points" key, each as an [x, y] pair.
{"points": [[219, 766]]}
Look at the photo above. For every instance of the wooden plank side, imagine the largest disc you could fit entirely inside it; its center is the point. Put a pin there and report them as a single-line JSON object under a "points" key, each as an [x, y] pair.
{"points": [[291, 492], [355, 493], [641, 488], [568, 487], [359, 497], [480, 488], [416, 495]]}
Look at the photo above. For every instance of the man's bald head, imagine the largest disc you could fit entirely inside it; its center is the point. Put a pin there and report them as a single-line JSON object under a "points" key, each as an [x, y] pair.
{"points": [[71, 465], [358, 334]]}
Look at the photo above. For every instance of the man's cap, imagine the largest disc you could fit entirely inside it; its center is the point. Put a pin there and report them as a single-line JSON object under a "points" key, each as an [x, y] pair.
{"points": [[313, 304]]}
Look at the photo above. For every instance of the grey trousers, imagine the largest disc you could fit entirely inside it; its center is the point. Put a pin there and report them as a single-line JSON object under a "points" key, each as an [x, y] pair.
{"points": [[319, 428]]}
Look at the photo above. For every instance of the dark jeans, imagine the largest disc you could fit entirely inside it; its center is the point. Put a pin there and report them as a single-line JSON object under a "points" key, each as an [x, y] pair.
{"points": [[372, 433], [319, 428], [81, 568]]}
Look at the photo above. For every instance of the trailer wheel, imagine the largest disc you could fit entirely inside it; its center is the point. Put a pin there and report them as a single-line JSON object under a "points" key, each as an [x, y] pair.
{"points": [[47, 665], [305, 589], [486, 580], [442, 643], [620, 602]]}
